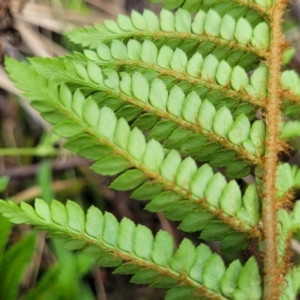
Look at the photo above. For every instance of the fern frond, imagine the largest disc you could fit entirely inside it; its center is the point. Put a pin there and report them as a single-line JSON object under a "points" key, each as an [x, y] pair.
{"points": [[285, 229], [189, 124], [288, 224], [133, 249], [17, 257], [290, 130], [291, 284], [243, 97], [288, 179], [290, 81], [294, 216], [261, 6], [287, 182], [98, 135], [291, 93], [251, 37], [209, 85], [212, 77]]}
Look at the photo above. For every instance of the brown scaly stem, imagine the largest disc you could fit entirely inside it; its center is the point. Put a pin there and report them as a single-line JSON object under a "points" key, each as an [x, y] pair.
{"points": [[272, 271]]}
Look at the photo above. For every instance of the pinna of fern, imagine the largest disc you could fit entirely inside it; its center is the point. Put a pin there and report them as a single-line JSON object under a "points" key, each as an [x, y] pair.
{"points": [[119, 148], [192, 122], [169, 105], [190, 272]]}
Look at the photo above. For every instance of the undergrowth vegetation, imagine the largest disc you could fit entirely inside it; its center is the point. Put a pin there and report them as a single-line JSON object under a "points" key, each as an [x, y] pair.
{"points": [[190, 111], [63, 280]]}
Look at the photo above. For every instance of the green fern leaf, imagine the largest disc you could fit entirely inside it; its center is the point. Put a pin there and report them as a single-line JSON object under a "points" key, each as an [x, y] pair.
{"points": [[175, 111], [291, 288], [178, 28], [150, 99], [180, 178], [195, 272], [193, 5]]}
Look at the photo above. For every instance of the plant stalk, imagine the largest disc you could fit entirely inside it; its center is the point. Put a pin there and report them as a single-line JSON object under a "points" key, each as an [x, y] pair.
{"points": [[272, 270], [31, 151]]}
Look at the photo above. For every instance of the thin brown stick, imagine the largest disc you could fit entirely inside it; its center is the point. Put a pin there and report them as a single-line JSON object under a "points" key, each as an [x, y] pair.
{"points": [[272, 271], [57, 186], [21, 172]]}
